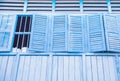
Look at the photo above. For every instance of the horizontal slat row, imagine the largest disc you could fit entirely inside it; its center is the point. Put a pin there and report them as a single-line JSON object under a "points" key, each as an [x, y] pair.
{"points": [[67, 6], [95, 6], [11, 5], [39, 6], [115, 6]]}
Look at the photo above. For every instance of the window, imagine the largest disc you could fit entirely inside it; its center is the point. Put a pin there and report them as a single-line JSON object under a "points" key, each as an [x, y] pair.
{"points": [[7, 26], [22, 33]]}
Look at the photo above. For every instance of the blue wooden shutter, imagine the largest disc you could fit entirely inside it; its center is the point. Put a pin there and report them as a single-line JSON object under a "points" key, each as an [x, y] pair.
{"points": [[59, 33], [96, 38], [38, 41], [76, 34], [112, 31], [7, 28]]}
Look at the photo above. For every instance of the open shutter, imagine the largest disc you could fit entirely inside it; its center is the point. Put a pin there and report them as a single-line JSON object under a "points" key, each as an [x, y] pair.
{"points": [[76, 34], [59, 32], [112, 30], [7, 28], [96, 39], [38, 41]]}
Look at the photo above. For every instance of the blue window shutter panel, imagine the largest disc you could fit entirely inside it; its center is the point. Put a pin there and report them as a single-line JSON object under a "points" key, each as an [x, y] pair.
{"points": [[76, 34], [7, 28], [96, 38], [59, 33], [38, 40], [112, 31]]}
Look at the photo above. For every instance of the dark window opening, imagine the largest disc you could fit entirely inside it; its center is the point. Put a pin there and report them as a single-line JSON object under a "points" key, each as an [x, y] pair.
{"points": [[23, 31], [24, 24]]}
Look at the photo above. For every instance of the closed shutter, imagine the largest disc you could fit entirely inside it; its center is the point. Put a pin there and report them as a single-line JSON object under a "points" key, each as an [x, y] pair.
{"points": [[76, 34], [112, 28], [59, 33], [38, 40], [7, 27], [96, 39]]}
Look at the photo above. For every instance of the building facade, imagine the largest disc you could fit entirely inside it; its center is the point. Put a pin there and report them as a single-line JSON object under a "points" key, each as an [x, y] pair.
{"points": [[59, 40]]}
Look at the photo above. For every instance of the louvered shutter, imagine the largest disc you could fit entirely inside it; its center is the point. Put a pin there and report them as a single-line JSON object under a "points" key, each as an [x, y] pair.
{"points": [[59, 33], [96, 39], [112, 28], [38, 40], [7, 28], [76, 34]]}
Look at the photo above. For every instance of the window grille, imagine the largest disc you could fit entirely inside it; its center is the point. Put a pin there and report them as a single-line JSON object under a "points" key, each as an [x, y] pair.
{"points": [[22, 34]]}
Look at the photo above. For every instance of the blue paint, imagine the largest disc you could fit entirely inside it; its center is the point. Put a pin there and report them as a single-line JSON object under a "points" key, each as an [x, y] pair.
{"points": [[7, 28], [53, 5]]}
